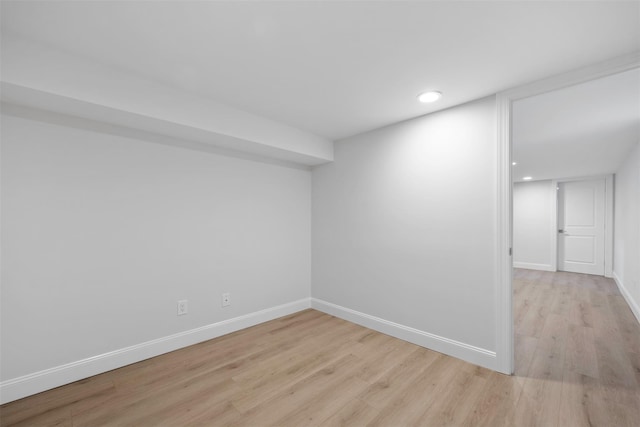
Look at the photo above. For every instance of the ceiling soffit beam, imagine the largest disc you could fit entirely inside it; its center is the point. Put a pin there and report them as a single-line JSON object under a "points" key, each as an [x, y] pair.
{"points": [[36, 76]]}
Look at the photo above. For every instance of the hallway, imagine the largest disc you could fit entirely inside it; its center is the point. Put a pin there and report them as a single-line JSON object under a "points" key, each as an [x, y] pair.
{"points": [[577, 350]]}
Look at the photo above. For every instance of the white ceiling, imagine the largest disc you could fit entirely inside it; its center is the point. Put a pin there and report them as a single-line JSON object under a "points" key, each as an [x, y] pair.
{"points": [[334, 68], [581, 130]]}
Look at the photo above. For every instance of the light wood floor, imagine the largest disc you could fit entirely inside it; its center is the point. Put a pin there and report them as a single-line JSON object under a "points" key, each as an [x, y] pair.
{"points": [[577, 364]]}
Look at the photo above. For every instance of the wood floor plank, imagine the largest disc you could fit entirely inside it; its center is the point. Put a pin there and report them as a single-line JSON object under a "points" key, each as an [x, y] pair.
{"points": [[381, 358], [393, 382], [457, 400], [407, 407], [539, 402], [582, 401], [577, 355], [580, 351], [356, 413], [52, 417], [133, 409], [52, 406], [525, 348], [324, 403], [270, 378], [496, 404], [300, 394]]}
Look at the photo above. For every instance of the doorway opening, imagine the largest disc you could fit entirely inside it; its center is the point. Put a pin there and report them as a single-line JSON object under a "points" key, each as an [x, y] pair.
{"points": [[513, 161]]}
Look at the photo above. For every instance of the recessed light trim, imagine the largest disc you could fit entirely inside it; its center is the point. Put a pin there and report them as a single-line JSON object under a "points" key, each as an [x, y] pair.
{"points": [[431, 96], [527, 178]]}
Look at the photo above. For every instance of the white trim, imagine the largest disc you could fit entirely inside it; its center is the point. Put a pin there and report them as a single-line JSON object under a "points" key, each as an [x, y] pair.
{"points": [[635, 309], [37, 382], [504, 240], [554, 229], [466, 352], [608, 226], [533, 266], [582, 75], [504, 215]]}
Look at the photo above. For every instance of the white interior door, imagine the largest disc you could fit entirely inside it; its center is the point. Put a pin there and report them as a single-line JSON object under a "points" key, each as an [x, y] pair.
{"points": [[581, 207]]}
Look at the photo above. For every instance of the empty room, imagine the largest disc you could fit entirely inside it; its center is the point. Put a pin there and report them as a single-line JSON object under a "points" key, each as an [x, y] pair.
{"points": [[320, 213]]}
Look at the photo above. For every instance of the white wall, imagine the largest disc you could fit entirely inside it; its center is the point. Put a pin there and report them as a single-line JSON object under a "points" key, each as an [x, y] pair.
{"points": [[626, 251], [101, 235], [403, 230], [534, 223]]}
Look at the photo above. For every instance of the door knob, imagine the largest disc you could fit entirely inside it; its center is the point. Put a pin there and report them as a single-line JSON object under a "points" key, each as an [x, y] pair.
{"points": [[560, 231]]}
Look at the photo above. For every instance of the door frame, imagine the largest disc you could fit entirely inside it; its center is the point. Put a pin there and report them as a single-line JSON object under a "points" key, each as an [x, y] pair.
{"points": [[504, 212]]}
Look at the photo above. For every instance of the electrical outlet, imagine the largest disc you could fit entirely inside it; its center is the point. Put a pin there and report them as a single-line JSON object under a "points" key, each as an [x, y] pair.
{"points": [[226, 299], [183, 307]]}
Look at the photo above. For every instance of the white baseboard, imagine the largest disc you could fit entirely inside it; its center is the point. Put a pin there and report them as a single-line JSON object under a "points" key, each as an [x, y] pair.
{"points": [[466, 352], [37, 382], [633, 305], [533, 266]]}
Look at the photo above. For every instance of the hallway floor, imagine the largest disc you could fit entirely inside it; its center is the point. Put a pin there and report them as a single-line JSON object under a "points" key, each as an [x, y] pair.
{"points": [[577, 350]]}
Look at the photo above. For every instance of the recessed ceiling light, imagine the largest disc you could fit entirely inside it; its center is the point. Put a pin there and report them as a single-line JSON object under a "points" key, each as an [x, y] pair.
{"points": [[527, 178], [514, 163], [432, 96]]}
